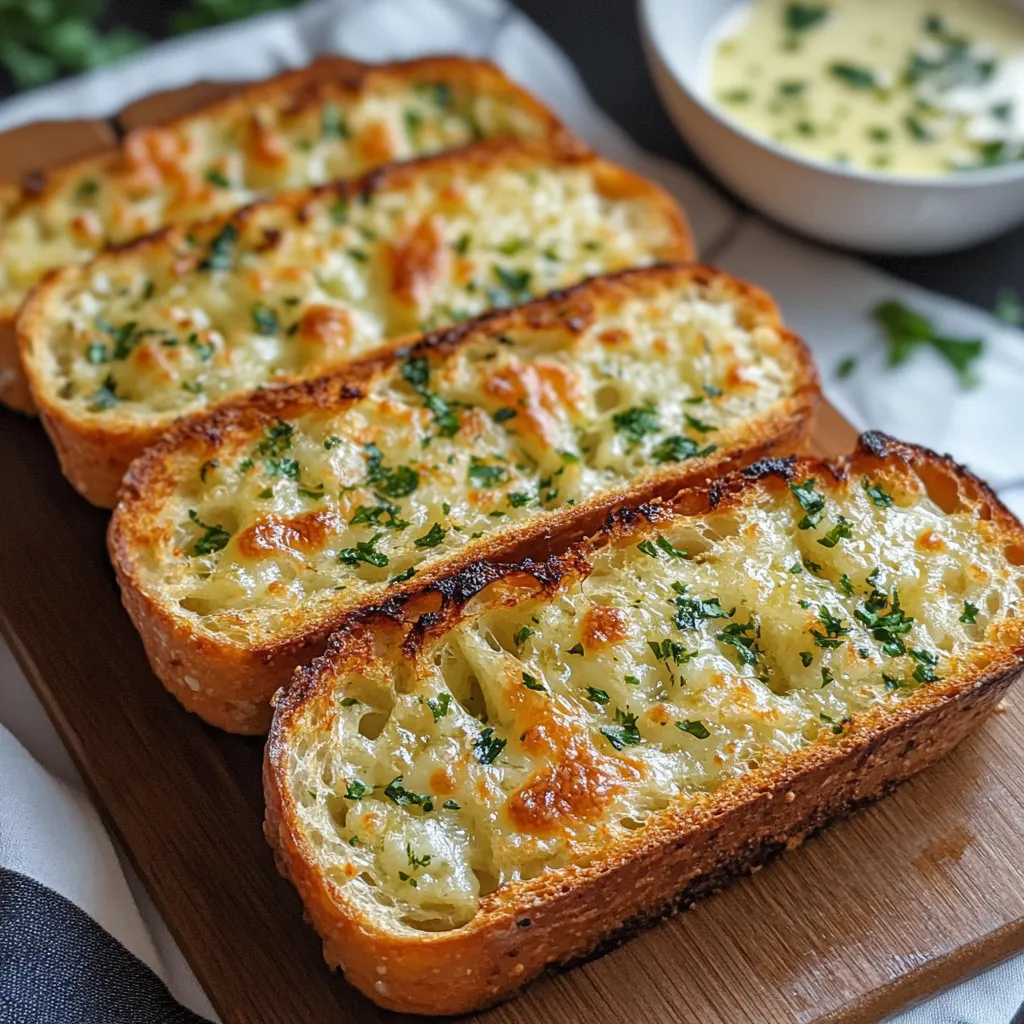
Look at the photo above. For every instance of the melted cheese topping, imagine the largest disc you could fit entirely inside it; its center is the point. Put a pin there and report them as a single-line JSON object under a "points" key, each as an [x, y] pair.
{"points": [[282, 138], [442, 451], [541, 733], [289, 290]]}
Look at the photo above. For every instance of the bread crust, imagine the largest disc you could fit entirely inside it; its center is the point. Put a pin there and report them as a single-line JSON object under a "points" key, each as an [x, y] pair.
{"points": [[302, 86], [96, 450], [526, 929], [230, 686]]}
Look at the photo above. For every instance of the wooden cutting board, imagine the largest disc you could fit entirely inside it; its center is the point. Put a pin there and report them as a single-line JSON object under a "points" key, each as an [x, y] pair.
{"points": [[901, 900]]}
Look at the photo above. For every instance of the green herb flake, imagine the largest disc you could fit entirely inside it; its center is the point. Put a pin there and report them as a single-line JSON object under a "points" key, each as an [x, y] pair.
{"points": [[577, 648], [810, 501], [636, 423], [364, 551], [214, 537], [856, 76], [843, 530], [487, 746], [533, 683], [878, 495], [696, 729], [969, 616], [439, 706], [597, 696], [434, 536], [624, 733]]}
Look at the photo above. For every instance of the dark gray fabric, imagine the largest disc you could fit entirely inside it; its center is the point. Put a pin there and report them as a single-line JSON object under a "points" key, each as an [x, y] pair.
{"points": [[58, 966]]}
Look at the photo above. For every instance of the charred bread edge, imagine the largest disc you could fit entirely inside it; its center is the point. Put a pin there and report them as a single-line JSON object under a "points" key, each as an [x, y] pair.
{"points": [[229, 685], [350, 74], [95, 452], [524, 931]]}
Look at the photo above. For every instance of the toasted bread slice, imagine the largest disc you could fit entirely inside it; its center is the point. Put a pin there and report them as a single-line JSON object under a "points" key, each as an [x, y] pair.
{"points": [[520, 763], [287, 289], [240, 540], [335, 119]]}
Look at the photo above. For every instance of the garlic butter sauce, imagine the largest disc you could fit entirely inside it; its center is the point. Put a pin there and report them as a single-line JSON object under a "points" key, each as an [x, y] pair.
{"points": [[906, 87]]}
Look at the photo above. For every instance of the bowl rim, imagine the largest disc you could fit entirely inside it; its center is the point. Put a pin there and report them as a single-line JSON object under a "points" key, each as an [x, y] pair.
{"points": [[974, 178]]}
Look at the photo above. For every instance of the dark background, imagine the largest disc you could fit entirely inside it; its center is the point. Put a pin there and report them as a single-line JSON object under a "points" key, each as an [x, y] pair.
{"points": [[602, 39]]}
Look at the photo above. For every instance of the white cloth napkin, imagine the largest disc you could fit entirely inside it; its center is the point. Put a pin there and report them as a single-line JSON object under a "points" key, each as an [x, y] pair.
{"points": [[48, 830]]}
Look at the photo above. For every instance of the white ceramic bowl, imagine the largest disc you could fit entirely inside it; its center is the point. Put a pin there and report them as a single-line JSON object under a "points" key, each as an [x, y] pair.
{"points": [[850, 207]]}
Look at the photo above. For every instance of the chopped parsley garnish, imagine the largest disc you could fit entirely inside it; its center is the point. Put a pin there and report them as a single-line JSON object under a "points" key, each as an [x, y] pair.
{"points": [[799, 17], [451, 805], [216, 177], [577, 648], [843, 530], [515, 286], [926, 662], [222, 249], [624, 732], [845, 367], [414, 861], [880, 497], [668, 650], [647, 548], [826, 677], [331, 442], [636, 423], [416, 372], [806, 658], [504, 415], [810, 501], [837, 727], [214, 537], [597, 696], [332, 125], [397, 793], [206, 467], [692, 610], [846, 585], [403, 576], [440, 706], [339, 211], [487, 747], [969, 616], [396, 482], [906, 330], [432, 537], [517, 499], [696, 729], [105, 396], [357, 790], [379, 515], [834, 627], [699, 425], [485, 475], [523, 633], [533, 683], [889, 628], [743, 637], [678, 449], [856, 76], [264, 319], [277, 439], [364, 551], [631, 681]]}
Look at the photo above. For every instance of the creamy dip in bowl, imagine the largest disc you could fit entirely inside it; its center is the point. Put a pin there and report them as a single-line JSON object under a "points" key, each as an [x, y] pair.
{"points": [[888, 125]]}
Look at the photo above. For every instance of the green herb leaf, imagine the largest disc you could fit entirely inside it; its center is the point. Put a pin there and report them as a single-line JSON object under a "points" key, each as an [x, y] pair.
{"points": [[810, 501], [905, 330], [357, 790], [970, 613], [638, 422], [856, 76], [440, 706], [487, 746], [624, 733], [214, 537], [597, 696], [364, 551], [696, 729], [843, 530], [432, 537]]}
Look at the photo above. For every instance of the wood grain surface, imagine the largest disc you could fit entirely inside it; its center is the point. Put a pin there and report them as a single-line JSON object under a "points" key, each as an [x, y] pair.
{"points": [[891, 905]]}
